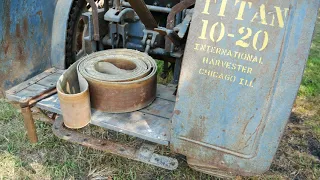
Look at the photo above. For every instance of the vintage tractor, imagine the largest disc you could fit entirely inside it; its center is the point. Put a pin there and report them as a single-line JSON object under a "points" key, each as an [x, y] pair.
{"points": [[235, 67]]}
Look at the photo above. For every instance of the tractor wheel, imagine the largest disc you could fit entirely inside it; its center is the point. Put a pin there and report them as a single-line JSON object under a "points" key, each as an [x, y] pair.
{"points": [[75, 30]]}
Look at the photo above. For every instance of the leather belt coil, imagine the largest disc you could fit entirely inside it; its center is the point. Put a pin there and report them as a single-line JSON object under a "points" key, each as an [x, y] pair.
{"points": [[120, 80]]}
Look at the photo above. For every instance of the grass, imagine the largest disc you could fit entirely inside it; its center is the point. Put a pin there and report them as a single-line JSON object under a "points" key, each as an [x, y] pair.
{"points": [[52, 158]]}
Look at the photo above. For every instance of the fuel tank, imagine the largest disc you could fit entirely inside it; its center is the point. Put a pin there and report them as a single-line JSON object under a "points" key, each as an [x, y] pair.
{"points": [[241, 71]]}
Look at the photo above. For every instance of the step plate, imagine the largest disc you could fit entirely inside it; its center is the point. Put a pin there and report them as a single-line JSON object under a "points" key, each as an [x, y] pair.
{"points": [[151, 123]]}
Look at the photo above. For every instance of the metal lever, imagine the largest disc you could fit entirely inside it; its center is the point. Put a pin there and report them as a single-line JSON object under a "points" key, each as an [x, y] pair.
{"points": [[144, 14], [93, 5]]}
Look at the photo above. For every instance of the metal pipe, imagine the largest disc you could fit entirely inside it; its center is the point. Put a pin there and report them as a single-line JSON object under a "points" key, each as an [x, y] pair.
{"points": [[96, 35], [29, 122], [151, 8], [25, 105]]}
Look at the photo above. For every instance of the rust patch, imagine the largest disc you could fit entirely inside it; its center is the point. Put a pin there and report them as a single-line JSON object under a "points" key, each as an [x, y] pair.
{"points": [[18, 31], [39, 13], [14, 47], [5, 46], [177, 112], [21, 53], [25, 26], [198, 129]]}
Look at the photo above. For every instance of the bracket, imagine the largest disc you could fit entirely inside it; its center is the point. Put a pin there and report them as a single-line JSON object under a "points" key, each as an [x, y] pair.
{"points": [[143, 153]]}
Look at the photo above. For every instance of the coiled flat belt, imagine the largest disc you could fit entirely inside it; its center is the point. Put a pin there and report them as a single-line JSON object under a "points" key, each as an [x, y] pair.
{"points": [[120, 80]]}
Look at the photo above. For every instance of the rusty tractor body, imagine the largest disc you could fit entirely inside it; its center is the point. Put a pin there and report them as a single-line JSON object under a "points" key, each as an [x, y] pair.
{"points": [[236, 69]]}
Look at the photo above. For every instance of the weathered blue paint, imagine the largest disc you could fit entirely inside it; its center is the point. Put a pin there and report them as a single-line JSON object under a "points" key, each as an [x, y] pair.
{"points": [[25, 39], [228, 126], [59, 33]]}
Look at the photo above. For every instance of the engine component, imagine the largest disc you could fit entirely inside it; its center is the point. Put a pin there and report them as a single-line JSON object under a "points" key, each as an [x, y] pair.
{"points": [[171, 20], [120, 80]]}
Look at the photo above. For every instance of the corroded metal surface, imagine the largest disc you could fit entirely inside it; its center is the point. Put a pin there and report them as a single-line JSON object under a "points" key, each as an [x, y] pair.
{"points": [[120, 80], [26, 103], [143, 153], [29, 124], [171, 18], [241, 71], [151, 123], [25, 39]]}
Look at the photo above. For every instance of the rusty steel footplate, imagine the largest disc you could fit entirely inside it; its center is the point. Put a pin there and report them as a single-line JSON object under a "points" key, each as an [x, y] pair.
{"points": [[144, 153], [151, 123]]}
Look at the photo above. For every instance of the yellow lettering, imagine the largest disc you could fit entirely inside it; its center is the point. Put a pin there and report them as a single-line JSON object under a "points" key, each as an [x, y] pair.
{"points": [[241, 9], [197, 45], [229, 53], [223, 8], [218, 51], [280, 16], [205, 60], [241, 81], [245, 82], [260, 60], [203, 47], [262, 14], [244, 69], [204, 29], [206, 7]]}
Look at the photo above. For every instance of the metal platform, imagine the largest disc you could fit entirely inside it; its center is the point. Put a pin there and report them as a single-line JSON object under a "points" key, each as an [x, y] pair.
{"points": [[151, 123]]}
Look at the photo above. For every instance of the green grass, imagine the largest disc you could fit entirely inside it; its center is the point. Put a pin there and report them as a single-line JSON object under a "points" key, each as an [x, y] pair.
{"points": [[52, 158]]}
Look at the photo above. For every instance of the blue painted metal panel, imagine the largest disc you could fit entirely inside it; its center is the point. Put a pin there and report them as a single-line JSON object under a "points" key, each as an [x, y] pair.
{"points": [[25, 39], [240, 75]]}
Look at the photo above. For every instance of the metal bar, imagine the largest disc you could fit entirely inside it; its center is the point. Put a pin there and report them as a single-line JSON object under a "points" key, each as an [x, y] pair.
{"points": [[151, 8], [144, 153], [26, 105], [93, 5], [43, 95], [29, 122], [144, 14], [171, 18]]}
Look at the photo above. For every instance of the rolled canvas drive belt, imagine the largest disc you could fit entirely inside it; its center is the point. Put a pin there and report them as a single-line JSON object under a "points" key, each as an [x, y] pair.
{"points": [[113, 81], [120, 80]]}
